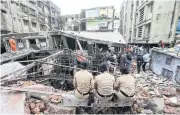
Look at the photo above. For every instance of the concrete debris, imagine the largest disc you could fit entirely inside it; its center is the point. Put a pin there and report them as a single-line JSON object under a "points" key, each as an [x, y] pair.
{"points": [[156, 94], [24, 83], [55, 98], [35, 106]]}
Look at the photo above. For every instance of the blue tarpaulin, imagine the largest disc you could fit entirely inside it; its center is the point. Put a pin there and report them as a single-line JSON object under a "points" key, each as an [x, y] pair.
{"points": [[178, 26]]}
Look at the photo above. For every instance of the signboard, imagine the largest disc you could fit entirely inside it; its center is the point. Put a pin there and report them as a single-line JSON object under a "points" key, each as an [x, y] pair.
{"points": [[100, 24]]}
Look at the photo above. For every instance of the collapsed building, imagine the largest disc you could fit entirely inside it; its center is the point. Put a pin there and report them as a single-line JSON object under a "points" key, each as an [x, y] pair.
{"points": [[166, 63], [46, 59], [42, 81]]}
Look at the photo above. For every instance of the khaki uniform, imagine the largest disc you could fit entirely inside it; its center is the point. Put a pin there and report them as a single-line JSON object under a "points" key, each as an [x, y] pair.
{"points": [[104, 84], [83, 83], [125, 84]]}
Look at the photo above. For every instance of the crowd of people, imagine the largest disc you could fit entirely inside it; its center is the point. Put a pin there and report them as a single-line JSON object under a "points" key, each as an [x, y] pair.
{"points": [[105, 86]]}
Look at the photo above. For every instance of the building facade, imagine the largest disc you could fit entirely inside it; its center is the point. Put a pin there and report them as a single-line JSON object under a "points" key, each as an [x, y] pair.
{"points": [[148, 21], [70, 22], [116, 22], [97, 19], [18, 16]]}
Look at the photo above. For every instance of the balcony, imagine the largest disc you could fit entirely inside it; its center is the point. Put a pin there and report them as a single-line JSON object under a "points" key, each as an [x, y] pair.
{"points": [[41, 20], [33, 19], [25, 17], [4, 7], [32, 1], [32, 12], [24, 8]]}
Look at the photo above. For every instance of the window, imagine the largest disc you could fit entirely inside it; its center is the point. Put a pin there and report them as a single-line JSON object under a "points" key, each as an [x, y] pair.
{"points": [[32, 41], [150, 8], [132, 9], [53, 20], [4, 3], [140, 31], [32, 1], [167, 73], [40, 4], [20, 44], [126, 17], [26, 22], [13, 2], [33, 24], [42, 43], [168, 61], [149, 28], [134, 32], [137, 3], [141, 18], [24, 8], [32, 12], [124, 29], [3, 11], [177, 77]]}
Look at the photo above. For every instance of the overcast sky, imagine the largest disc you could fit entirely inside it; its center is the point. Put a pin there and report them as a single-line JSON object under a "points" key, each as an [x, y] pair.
{"points": [[75, 6]]}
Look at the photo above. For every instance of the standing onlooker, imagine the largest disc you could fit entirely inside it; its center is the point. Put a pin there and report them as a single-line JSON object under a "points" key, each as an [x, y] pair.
{"points": [[161, 44], [122, 61], [145, 60], [129, 60], [139, 61]]}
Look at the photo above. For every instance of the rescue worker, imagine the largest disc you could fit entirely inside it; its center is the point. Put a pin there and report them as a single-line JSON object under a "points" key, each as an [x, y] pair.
{"points": [[161, 44], [12, 43], [80, 58], [83, 82], [104, 84], [124, 87]]}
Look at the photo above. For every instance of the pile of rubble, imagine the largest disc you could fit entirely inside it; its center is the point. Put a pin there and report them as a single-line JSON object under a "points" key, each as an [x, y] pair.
{"points": [[24, 83], [41, 103], [156, 94], [39, 106]]}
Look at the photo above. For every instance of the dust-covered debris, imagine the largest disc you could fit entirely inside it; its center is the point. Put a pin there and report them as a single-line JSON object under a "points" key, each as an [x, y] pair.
{"points": [[156, 93]]}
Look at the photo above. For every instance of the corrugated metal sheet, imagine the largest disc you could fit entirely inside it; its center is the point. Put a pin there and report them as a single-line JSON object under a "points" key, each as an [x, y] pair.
{"points": [[103, 36]]}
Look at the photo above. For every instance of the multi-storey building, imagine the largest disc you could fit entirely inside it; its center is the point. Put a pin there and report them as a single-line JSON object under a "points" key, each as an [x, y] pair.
{"points": [[29, 16], [116, 22], [148, 21], [70, 22], [97, 19]]}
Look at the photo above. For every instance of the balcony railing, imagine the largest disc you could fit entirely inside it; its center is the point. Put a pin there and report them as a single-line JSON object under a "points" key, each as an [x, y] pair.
{"points": [[41, 20]]}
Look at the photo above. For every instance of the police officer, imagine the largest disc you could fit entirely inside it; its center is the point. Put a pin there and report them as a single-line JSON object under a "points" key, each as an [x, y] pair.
{"points": [[124, 87], [83, 82], [104, 84]]}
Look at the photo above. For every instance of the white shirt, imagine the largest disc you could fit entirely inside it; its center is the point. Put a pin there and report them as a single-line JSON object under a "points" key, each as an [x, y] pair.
{"points": [[146, 58]]}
